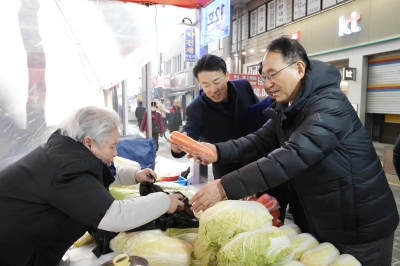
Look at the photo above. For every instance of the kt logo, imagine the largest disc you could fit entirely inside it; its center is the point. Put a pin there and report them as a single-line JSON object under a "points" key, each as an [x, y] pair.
{"points": [[352, 22]]}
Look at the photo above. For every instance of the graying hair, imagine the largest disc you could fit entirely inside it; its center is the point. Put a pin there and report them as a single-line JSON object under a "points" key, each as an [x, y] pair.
{"points": [[291, 50], [97, 122]]}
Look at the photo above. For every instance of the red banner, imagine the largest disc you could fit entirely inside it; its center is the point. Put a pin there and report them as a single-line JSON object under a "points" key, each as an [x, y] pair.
{"points": [[255, 82]]}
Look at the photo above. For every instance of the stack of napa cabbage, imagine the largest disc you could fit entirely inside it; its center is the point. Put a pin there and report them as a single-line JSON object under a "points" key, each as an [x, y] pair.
{"points": [[239, 232], [155, 246]]}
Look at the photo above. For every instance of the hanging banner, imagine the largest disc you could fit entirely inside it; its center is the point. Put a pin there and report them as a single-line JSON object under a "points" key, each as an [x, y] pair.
{"points": [[190, 51], [271, 15], [253, 23], [261, 19], [280, 12], [215, 21], [299, 9]]}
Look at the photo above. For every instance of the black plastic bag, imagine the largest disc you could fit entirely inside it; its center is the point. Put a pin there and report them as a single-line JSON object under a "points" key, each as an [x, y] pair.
{"points": [[178, 219]]}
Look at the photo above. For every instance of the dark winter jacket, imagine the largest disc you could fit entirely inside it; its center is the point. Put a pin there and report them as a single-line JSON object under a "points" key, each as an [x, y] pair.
{"points": [[174, 117], [320, 145], [48, 199], [214, 122], [139, 112], [396, 156], [257, 118]]}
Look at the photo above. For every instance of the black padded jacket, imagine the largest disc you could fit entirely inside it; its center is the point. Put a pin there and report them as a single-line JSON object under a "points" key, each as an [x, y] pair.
{"points": [[211, 122], [319, 145]]}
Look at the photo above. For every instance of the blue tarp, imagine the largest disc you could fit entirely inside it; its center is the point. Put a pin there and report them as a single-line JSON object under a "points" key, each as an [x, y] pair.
{"points": [[139, 149]]}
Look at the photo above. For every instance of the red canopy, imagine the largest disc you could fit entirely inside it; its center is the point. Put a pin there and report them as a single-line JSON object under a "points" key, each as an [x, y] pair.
{"points": [[180, 3]]}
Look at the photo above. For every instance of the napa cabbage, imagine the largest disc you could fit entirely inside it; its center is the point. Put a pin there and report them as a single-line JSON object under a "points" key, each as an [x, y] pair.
{"points": [[301, 243], [226, 219], [153, 245], [345, 260], [320, 255], [291, 230], [263, 246], [206, 254]]}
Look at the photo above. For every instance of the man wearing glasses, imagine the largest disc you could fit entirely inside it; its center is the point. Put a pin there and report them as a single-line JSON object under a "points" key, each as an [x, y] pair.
{"points": [[315, 140]]}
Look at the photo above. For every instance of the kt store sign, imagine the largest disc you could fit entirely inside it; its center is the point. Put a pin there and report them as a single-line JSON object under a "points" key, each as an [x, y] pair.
{"points": [[255, 82]]}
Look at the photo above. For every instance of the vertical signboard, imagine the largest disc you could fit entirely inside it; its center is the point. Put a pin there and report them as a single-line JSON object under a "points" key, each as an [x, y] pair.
{"points": [[299, 9], [253, 23], [215, 21], [271, 15], [261, 14], [190, 51], [313, 6], [280, 12]]}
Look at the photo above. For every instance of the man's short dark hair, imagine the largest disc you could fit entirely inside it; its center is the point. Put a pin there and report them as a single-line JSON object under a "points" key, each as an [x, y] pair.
{"points": [[209, 62], [291, 50]]}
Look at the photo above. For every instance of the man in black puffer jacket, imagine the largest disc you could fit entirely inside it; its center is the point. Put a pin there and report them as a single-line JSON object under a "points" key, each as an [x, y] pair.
{"points": [[315, 140]]}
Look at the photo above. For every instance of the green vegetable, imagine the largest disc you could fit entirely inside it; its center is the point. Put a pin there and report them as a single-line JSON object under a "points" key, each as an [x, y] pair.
{"points": [[205, 253], [120, 193], [320, 255], [291, 230], [345, 260], [301, 243], [226, 219], [156, 247], [264, 246]]}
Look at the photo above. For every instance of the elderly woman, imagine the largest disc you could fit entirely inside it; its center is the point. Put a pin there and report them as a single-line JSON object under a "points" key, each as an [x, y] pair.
{"points": [[50, 197]]}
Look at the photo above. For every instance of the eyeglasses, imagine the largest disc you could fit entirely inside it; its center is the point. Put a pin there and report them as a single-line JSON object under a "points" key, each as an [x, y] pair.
{"points": [[270, 77]]}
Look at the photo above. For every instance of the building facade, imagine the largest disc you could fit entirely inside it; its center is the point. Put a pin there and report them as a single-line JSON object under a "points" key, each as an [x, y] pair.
{"points": [[360, 37]]}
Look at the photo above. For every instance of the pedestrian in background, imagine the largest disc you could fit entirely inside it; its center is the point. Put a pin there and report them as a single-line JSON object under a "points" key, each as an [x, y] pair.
{"points": [[174, 116], [157, 123], [140, 109]]}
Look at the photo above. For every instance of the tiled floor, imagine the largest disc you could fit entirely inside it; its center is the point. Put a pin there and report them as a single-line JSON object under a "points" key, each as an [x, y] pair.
{"points": [[164, 156]]}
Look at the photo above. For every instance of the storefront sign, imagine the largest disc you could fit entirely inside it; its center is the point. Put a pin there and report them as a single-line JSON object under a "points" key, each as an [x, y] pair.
{"points": [[349, 73], [215, 21], [163, 82], [178, 81], [344, 24], [190, 51], [255, 82], [295, 35]]}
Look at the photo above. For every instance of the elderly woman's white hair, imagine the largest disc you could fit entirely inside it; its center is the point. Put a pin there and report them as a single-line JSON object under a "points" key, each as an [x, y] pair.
{"points": [[97, 122]]}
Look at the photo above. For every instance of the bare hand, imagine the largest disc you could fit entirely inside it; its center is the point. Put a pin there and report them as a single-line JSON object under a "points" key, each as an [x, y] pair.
{"points": [[145, 175], [175, 147], [205, 160], [207, 196], [176, 203]]}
